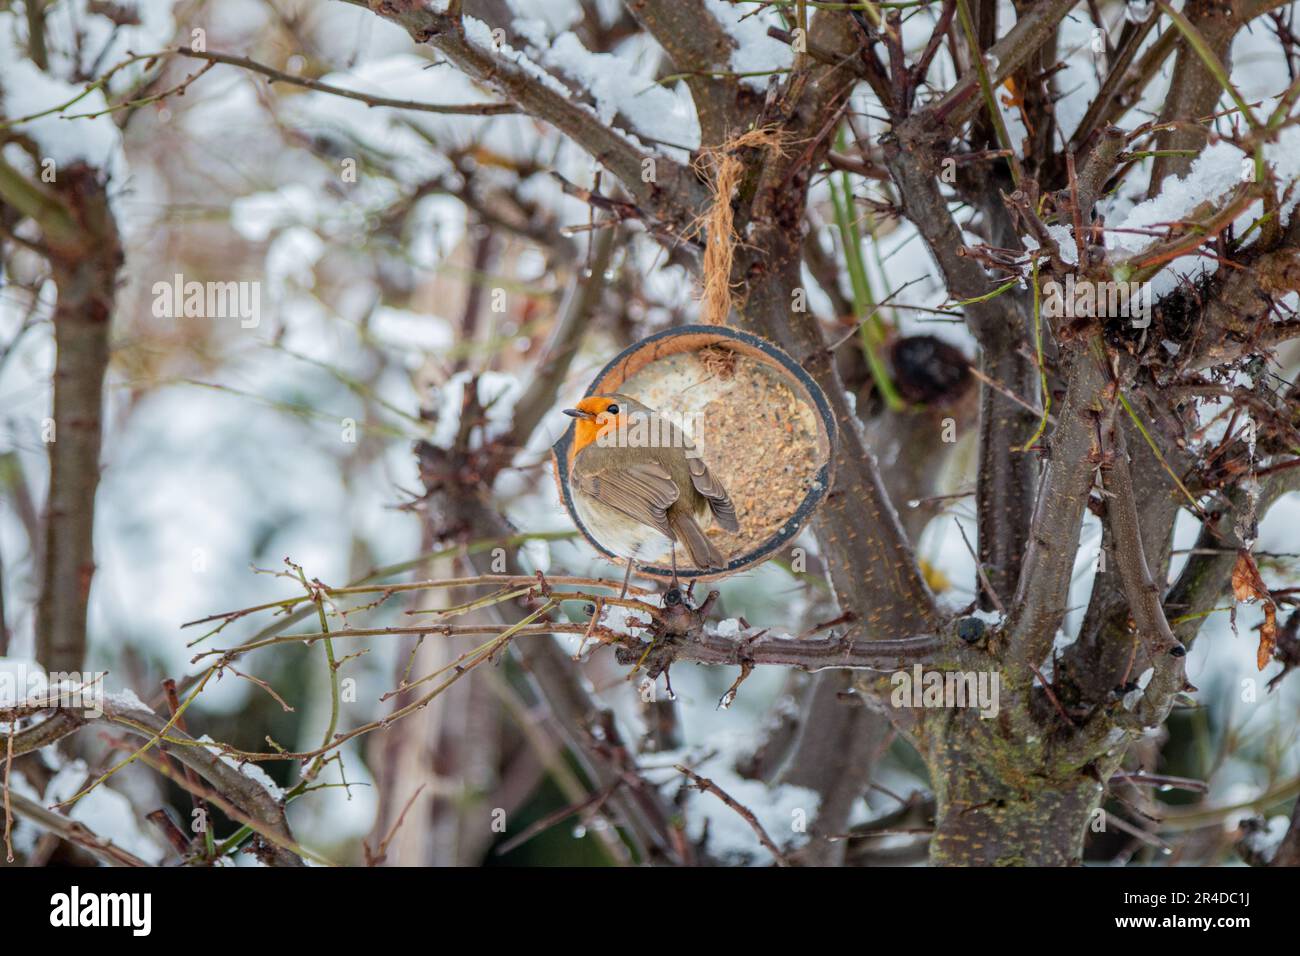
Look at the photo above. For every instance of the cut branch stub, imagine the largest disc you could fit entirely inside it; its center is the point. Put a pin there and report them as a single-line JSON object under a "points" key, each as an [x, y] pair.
{"points": [[757, 418]]}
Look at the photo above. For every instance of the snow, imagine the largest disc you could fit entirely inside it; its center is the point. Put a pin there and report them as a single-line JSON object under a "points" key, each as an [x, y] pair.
{"points": [[728, 628], [552, 15], [784, 811], [1214, 174], [622, 85], [126, 699], [479, 34], [66, 135], [411, 332], [28, 91], [291, 259], [104, 811], [252, 771], [255, 217], [1265, 842], [653, 110], [755, 52], [624, 619], [1065, 243]]}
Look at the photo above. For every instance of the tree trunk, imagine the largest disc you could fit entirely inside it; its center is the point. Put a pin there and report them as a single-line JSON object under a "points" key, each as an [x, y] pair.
{"points": [[995, 805], [85, 274]]}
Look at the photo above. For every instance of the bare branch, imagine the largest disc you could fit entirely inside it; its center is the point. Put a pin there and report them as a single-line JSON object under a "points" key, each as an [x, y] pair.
{"points": [[85, 273], [231, 786], [674, 194], [704, 783], [1166, 655], [243, 62], [701, 49], [1043, 589], [1033, 28], [106, 851], [756, 646], [571, 323]]}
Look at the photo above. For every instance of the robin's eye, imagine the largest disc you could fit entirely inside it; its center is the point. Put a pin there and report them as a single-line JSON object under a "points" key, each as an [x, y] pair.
{"points": [[613, 409]]}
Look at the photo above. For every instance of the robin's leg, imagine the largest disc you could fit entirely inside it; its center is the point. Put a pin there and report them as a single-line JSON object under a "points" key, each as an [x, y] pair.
{"points": [[627, 576], [674, 554]]}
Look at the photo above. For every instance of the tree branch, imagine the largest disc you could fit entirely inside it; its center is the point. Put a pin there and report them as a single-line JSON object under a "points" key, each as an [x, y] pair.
{"points": [[245, 63], [1021, 42], [1044, 586], [85, 274], [757, 646], [871, 563], [106, 851], [1005, 482], [571, 323], [264, 812], [1166, 655], [1193, 90], [673, 194], [1099, 659], [698, 47], [1206, 576]]}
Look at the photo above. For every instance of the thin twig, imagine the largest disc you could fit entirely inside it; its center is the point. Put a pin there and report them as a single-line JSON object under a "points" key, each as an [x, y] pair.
{"points": [[458, 109], [704, 783]]}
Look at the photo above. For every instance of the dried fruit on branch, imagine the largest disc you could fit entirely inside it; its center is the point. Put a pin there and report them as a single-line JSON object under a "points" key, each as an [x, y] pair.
{"points": [[1248, 586]]}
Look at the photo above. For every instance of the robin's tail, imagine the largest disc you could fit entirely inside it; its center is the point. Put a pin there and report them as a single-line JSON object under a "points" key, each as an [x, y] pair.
{"points": [[703, 553]]}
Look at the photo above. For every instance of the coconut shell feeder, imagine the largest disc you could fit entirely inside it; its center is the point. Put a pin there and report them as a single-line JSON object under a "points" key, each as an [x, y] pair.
{"points": [[770, 435]]}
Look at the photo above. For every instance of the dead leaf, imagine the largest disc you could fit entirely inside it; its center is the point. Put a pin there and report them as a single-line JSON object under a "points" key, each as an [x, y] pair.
{"points": [[1267, 636], [1247, 587]]}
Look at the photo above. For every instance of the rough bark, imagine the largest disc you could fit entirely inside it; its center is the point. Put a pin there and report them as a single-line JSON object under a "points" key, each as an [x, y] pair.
{"points": [[995, 805], [85, 275]]}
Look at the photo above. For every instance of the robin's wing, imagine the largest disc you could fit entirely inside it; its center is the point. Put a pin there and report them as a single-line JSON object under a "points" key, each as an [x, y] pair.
{"points": [[643, 491], [724, 512]]}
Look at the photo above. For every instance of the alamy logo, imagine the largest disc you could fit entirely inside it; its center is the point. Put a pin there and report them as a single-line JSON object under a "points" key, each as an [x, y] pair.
{"points": [[21, 685], [922, 688], [1085, 299], [74, 909], [208, 300]]}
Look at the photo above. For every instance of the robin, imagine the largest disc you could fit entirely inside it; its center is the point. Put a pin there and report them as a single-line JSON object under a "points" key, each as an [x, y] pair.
{"points": [[640, 486]]}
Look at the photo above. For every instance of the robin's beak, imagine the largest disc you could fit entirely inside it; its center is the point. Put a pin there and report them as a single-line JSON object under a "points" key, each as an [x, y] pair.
{"points": [[579, 413]]}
